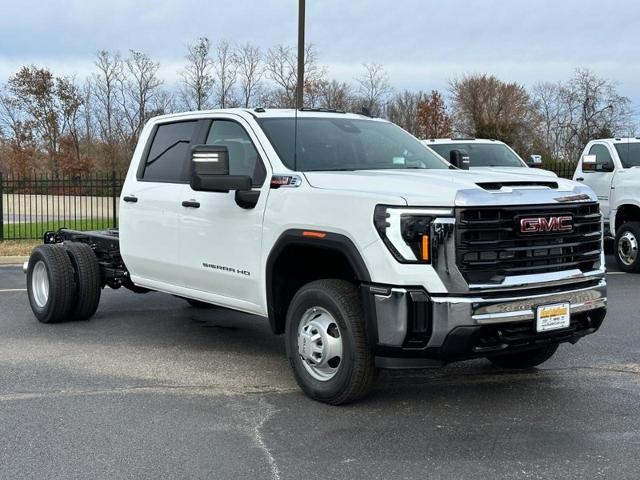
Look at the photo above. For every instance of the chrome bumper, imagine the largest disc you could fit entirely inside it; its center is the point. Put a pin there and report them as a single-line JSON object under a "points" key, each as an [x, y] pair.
{"points": [[393, 307], [450, 312]]}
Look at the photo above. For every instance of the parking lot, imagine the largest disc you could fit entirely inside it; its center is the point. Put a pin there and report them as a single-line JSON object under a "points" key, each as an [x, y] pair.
{"points": [[152, 388]]}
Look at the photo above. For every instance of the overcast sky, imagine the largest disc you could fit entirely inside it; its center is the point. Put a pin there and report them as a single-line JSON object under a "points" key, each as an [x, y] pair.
{"points": [[422, 43]]}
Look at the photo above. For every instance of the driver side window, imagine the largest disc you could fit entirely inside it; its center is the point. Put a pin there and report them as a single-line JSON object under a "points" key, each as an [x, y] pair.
{"points": [[243, 156], [603, 157]]}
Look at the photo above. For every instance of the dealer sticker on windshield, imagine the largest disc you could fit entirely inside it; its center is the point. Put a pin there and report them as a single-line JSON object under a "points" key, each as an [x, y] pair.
{"points": [[553, 317]]}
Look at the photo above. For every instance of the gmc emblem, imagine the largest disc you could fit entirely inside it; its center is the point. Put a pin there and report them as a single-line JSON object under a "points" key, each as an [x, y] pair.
{"points": [[546, 224]]}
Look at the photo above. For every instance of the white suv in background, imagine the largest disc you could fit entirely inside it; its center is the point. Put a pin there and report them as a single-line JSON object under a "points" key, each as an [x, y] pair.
{"points": [[492, 155]]}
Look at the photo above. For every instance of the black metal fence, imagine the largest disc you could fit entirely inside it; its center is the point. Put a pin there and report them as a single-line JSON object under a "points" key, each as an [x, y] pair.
{"points": [[562, 168], [32, 204]]}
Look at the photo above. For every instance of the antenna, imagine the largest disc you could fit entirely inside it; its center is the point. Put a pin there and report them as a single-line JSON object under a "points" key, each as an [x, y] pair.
{"points": [[300, 87], [300, 81]]}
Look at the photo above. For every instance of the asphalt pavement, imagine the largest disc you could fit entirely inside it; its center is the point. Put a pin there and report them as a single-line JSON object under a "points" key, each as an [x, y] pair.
{"points": [[153, 388]]}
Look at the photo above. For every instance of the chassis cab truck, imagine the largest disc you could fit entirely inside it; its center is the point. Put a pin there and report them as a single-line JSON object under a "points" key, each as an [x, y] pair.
{"points": [[609, 167], [360, 245]]}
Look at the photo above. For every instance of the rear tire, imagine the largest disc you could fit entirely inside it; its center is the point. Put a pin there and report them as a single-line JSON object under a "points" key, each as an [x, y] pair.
{"points": [[50, 283], [327, 343], [87, 279], [526, 359], [627, 247]]}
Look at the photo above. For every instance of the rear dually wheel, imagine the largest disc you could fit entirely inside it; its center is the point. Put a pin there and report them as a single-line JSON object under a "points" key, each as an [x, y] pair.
{"points": [[50, 283]]}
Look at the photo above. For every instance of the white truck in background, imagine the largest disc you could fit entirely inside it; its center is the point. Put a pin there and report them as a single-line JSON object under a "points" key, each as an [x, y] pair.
{"points": [[485, 154], [359, 244], [610, 167]]}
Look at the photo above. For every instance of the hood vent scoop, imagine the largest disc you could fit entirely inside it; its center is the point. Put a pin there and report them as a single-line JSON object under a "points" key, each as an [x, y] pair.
{"points": [[492, 186]]}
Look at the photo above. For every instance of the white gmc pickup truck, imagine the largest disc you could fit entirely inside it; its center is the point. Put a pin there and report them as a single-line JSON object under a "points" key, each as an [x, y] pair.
{"points": [[610, 167], [356, 241]]}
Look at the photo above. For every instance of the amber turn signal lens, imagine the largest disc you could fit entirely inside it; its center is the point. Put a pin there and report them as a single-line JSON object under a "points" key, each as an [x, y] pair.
{"points": [[313, 234], [425, 248]]}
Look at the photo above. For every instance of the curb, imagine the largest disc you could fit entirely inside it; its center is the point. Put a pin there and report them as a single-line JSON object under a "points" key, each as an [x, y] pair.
{"points": [[13, 260]]}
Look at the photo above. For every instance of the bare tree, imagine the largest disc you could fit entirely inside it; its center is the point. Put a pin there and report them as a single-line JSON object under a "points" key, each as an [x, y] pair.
{"points": [[250, 72], [165, 103], [281, 67], [13, 123], [336, 95], [226, 73], [402, 110], [578, 110], [601, 110], [196, 78], [105, 84], [139, 89], [71, 101], [374, 88], [88, 112]]}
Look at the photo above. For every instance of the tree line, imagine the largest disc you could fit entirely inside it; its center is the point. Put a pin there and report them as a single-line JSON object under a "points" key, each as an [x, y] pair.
{"points": [[51, 123]]}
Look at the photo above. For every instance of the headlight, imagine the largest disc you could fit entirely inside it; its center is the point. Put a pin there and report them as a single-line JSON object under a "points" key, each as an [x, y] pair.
{"points": [[406, 231]]}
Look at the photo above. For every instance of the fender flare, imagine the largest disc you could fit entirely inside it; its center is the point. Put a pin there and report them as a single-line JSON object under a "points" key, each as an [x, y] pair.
{"points": [[294, 237], [614, 211]]}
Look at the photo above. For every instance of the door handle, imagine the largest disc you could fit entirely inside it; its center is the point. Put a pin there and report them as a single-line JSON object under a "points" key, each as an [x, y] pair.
{"points": [[580, 179], [130, 199], [191, 204]]}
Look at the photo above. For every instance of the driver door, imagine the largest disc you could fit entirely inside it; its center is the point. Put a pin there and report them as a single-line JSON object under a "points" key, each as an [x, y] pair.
{"points": [[220, 245], [600, 181]]}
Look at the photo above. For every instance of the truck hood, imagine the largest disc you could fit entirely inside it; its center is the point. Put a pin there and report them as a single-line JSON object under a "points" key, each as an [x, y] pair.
{"points": [[516, 170], [449, 188]]}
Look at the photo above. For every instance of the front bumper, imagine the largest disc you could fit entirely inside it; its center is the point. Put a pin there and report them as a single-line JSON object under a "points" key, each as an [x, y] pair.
{"points": [[414, 329]]}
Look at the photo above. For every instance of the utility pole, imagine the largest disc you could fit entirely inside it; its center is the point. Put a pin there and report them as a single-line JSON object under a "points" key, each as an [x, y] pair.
{"points": [[300, 86]]}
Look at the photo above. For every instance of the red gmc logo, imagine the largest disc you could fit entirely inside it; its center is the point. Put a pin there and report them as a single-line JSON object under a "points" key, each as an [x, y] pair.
{"points": [[546, 224]]}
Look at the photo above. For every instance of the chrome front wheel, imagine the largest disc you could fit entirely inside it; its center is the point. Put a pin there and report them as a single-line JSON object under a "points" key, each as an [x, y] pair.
{"points": [[327, 342], [628, 248], [320, 344]]}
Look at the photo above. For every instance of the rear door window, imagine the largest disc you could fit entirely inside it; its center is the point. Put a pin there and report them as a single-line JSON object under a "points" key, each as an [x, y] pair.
{"points": [[168, 157]]}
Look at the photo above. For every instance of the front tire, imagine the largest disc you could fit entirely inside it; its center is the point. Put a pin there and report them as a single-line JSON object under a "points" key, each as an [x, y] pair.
{"points": [[627, 247], [526, 359], [327, 343], [50, 283]]}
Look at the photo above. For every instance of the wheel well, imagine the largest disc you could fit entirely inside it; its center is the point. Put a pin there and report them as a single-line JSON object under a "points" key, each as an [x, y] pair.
{"points": [[296, 265], [626, 213]]}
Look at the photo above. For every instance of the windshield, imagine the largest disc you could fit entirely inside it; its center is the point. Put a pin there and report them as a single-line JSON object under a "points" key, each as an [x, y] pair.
{"points": [[629, 154], [481, 154], [325, 144]]}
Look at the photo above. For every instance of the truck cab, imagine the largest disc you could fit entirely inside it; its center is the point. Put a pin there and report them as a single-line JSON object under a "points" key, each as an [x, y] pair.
{"points": [[610, 168], [362, 246]]}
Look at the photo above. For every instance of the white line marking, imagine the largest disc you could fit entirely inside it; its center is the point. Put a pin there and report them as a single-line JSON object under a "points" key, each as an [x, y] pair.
{"points": [[262, 445], [13, 290], [616, 273]]}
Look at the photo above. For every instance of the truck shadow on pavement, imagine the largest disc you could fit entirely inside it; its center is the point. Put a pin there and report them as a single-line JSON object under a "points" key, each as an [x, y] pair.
{"points": [[159, 339]]}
